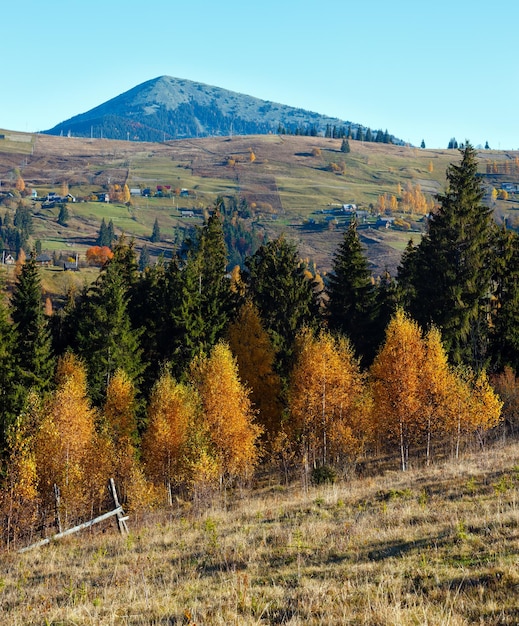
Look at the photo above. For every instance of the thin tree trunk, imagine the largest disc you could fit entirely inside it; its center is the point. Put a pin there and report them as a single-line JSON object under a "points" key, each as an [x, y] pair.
{"points": [[428, 454], [402, 447]]}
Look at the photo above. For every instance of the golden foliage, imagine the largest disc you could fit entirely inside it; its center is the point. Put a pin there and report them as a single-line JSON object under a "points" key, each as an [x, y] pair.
{"points": [[413, 200], [48, 307], [227, 416], [68, 451], [98, 255], [396, 382], [119, 408], [255, 355], [121, 430], [19, 498], [171, 412], [506, 385], [485, 405], [438, 389], [326, 389], [237, 284], [20, 184], [418, 396]]}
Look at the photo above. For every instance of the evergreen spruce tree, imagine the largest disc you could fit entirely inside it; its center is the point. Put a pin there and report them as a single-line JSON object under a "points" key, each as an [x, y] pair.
{"points": [[105, 337], [102, 235], [155, 235], [111, 233], [351, 294], [126, 260], [406, 287], [32, 352], [191, 300], [453, 265], [386, 304], [504, 338], [63, 216], [11, 393], [345, 146], [283, 294], [206, 288], [144, 258]]}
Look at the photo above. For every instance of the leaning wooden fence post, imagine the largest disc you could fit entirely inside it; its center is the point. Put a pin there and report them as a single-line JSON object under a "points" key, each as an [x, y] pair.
{"points": [[57, 500], [121, 518]]}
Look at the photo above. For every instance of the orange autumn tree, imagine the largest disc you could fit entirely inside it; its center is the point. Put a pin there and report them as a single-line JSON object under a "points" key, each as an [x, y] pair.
{"points": [[69, 453], [171, 413], [98, 255], [439, 389], [396, 380], [20, 183], [227, 418], [19, 498], [477, 408], [121, 430], [327, 407], [506, 385], [255, 355]]}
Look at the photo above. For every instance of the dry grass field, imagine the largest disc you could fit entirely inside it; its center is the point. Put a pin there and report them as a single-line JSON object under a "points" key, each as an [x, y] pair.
{"points": [[432, 546]]}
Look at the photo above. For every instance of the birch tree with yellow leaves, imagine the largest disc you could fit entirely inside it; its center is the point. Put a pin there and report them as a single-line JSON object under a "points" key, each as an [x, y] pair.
{"points": [[120, 426], [396, 379], [255, 355], [327, 407], [227, 419], [19, 497], [477, 409], [171, 415], [438, 390], [69, 453]]}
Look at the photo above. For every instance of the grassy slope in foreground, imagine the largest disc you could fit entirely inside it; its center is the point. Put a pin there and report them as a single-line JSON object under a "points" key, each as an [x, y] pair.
{"points": [[434, 546]]}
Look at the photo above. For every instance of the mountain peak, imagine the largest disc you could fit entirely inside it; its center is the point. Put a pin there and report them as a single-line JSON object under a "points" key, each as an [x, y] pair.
{"points": [[174, 108]]}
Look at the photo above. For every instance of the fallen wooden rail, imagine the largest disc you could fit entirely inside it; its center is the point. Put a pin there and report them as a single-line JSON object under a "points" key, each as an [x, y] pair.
{"points": [[121, 521], [75, 529]]}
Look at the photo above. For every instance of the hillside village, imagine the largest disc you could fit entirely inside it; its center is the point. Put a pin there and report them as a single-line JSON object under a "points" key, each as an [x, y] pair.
{"points": [[180, 194]]}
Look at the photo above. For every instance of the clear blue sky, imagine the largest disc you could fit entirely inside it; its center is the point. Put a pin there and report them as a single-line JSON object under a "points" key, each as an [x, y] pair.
{"points": [[422, 70]]}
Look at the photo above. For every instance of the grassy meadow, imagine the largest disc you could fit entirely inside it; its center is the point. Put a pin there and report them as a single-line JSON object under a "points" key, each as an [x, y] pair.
{"points": [[435, 546], [288, 183]]}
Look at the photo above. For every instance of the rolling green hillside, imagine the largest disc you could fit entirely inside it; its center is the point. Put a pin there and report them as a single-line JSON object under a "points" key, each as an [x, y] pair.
{"points": [[293, 185]]}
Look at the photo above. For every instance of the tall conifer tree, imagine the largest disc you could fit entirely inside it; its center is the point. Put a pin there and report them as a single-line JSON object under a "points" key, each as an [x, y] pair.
{"points": [[10, 390], [351, 294], [105, 336], [202, 292], [284, 295], [505, 312], [453, 265], [32, 350]]}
